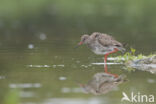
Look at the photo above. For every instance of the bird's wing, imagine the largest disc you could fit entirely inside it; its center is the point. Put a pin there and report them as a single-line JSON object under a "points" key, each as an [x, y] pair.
{"points": [[107, 40]]}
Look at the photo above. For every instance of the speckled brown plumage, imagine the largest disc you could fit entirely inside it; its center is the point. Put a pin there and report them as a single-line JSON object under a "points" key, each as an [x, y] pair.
{"points": [[101, 43]]}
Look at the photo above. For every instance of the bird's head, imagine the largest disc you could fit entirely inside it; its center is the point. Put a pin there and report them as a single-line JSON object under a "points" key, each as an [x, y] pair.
{"points": [[84, 39]]}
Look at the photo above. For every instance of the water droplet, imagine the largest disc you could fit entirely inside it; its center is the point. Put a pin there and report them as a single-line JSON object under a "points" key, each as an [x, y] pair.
{"points": [[43, 36], [62, 78], [30, 46], [150, 80]]}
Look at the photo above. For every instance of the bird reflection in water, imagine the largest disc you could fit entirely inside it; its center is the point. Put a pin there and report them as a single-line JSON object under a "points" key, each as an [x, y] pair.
{"points": [[102, 83]]}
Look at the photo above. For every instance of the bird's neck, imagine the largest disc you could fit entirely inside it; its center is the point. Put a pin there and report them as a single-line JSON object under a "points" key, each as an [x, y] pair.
{"points": [[90, 40]]}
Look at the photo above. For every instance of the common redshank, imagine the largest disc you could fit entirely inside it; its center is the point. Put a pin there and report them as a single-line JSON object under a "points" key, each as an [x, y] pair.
{"points": [[102, 83], [102, 44]]}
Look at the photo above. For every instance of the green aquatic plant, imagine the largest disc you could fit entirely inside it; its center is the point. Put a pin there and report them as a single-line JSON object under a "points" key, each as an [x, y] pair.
{"points": [[133, 51], [129, 56]]}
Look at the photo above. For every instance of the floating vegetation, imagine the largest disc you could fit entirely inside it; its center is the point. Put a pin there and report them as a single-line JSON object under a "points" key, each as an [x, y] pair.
{"points": [[140, 61], [130, 56], [133, 61], [145, 64]]}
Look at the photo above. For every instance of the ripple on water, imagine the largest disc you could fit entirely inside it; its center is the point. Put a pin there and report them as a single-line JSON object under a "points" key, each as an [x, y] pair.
{"points": [[71, 90], [93, 100], [25, 85], [45, 66], [26, 94], [113, 63], [150, 80], [62, 78], [85, 66], [2, 77]]}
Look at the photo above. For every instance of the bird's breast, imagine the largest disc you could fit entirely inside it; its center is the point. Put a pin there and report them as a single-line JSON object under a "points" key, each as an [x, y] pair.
{"points": [[99, 49]]}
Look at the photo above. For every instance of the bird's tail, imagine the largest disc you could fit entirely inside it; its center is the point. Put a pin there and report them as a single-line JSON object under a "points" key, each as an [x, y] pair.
{"points": [[123, 50]]}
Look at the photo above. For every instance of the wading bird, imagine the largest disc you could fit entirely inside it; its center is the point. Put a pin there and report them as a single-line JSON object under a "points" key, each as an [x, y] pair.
{"points": [[102, 44]]}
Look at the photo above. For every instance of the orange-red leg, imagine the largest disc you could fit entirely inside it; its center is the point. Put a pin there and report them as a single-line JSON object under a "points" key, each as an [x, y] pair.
{"points": [[105, 62]]}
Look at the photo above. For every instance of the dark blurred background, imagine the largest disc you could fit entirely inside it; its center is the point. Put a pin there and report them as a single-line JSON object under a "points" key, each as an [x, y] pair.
{"points": [[132, 22]]}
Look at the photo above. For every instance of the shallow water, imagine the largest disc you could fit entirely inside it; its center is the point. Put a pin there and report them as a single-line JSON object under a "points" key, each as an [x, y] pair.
{"points": [[50, 75], [38, 61]]}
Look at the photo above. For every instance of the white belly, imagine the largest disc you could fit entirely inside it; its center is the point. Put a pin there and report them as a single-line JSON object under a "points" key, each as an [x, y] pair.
{"points": [[100, 49]]}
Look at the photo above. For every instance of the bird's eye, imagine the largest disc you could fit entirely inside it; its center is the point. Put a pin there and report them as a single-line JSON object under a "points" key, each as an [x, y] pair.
{"points": [[84, 39], [96, 35]]}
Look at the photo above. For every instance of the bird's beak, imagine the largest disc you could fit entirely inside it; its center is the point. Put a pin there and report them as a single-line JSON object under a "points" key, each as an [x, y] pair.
{"points": [[81, 85], [80, 43]]}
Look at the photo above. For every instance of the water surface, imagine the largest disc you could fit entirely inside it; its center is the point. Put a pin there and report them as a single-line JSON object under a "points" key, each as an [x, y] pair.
{"points": [[38, 62]]}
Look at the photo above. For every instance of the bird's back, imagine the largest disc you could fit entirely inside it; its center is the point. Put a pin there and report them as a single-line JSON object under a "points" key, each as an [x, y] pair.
{"points": [[107, 41]]}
